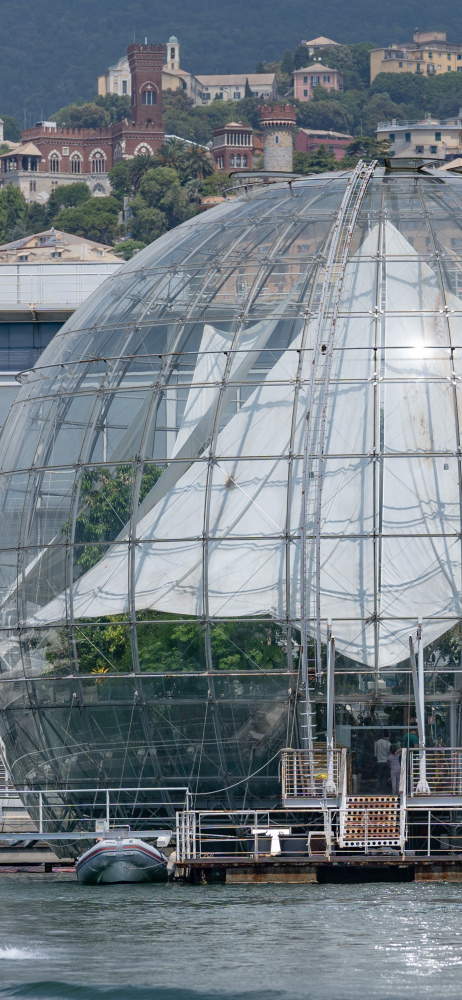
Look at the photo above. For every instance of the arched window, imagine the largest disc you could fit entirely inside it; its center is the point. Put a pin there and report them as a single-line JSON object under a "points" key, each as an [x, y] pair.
{"points": [[149, 97], [231, 160], [238, 160], [172, 53], [75, 163], [97, 163], [244, 160], [54, 163]]}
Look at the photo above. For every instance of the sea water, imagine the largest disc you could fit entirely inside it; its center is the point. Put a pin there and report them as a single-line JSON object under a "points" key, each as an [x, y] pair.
{"points": [[63, 941]]}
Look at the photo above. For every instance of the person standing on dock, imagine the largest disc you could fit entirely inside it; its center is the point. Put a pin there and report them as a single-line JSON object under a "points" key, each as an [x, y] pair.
{"points": [[394, 763], [381, 752]]}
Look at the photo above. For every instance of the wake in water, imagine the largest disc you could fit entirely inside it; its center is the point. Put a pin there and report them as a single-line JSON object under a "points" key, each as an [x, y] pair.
{"points": [[11, 953]]}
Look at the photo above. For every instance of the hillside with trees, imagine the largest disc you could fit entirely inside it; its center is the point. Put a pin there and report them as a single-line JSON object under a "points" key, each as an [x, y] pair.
{"points": [[51, 54]]}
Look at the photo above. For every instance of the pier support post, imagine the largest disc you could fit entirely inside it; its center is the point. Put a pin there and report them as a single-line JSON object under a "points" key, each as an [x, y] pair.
{"points": [[330, 783], [423, 787]]}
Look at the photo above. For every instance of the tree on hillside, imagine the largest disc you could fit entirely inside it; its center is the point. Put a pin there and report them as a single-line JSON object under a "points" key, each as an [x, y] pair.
{"points": [[379, 108], [13, 210], [171, 154], [260, 67], [319, 162], [247, 90], [197, 163], [67, 196], [117, 107], [138, 167], [287, 63], [302, 57], [402, 88], [119, 177], [88, 116], [11, 129], [97, 219], [325, 114], [161, 204]]}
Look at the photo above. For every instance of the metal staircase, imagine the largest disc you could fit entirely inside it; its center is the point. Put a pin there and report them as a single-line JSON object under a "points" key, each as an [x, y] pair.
{"points": [[370, 821]]}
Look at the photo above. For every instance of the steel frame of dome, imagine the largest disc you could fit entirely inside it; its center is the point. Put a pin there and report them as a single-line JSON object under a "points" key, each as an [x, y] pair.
{"points": [[214, 402]]}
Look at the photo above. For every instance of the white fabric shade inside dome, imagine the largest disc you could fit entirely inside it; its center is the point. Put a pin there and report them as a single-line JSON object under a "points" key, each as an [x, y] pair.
{"points": [[239, 554]]}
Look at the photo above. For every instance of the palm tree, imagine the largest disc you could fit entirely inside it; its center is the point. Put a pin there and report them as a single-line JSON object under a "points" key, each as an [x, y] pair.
{"points": [[138, 167], [171, 154], [197, 163]]}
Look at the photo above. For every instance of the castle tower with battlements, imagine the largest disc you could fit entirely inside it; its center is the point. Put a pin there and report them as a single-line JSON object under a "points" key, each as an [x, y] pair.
{"points": [[277, 124]]}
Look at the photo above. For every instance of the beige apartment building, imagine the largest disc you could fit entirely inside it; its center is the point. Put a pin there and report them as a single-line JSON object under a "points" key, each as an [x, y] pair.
{"points": [[432, 138], [429, 54]]}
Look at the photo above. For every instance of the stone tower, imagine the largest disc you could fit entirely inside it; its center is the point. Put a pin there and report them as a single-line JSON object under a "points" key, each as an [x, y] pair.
{"points": [[277, 124], [145, 62]]}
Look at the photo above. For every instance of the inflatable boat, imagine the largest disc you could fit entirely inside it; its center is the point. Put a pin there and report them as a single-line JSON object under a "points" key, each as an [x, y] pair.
{"points": [[121, 859]]}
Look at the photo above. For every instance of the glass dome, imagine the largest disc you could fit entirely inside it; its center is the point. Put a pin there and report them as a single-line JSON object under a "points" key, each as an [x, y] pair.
{"points": [[248, 435]]}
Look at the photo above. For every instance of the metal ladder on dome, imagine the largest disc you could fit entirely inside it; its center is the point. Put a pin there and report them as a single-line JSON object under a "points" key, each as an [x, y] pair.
{"points": [[316, 427]]}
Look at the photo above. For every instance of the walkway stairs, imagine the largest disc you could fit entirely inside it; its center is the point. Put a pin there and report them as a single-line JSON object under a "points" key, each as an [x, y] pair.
{"points": [[370, 821]]}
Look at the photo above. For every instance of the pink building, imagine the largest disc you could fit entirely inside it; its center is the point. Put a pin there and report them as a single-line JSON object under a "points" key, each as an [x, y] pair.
{"points": [[309, 140], [316, 75]]}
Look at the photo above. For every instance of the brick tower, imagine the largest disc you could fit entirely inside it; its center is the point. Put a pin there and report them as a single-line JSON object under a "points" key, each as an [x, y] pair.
{"points": [[277, 124], [145, 62]]}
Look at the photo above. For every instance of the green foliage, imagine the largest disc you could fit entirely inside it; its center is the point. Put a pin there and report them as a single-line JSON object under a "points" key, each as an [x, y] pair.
{"points": [[11, 129], [127, 248], [13, 212], [403, 88], [287, 63], [88, 116], [119, 177], [302, 57], [138, 167], [106, 503], [319, 162], [96, 218], [324, 114], [161, 204], [118, 108], [247, 90], [196, 163], [67, 196]]}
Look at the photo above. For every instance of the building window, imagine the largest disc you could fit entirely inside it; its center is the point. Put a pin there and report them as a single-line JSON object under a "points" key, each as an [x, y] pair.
{"points": [[23, 257], [172, 53], [430, 55], [149, 97], [237, 95], [437, 136], [54, 164], [305, 79], [419, 149], [433, 149], [392, 136], [276, 139], [326, 79], [97, 163], [439, 65], [418, 68], [56, 253], [305, 93], [315, 81], [459, 56], [124, 87], [54, 185], [75, 164], [400, 65], [407, 137], [32, 186], [244, 160], [231, 160], [449, 69]]}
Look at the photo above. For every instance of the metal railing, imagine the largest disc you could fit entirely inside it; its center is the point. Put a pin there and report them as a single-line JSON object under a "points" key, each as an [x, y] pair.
{"points": [[241, 835], [443, 769], [423, 123], [305, 772], [71, 813]]}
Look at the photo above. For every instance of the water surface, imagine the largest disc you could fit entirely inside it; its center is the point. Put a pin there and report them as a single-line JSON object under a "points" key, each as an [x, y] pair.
{"points": [[63, 941]]}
